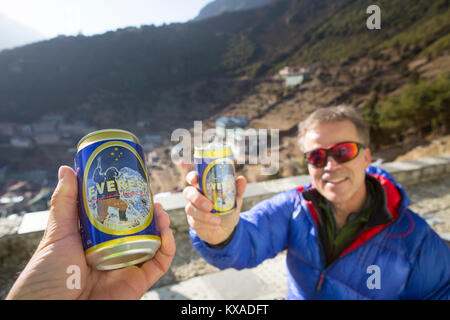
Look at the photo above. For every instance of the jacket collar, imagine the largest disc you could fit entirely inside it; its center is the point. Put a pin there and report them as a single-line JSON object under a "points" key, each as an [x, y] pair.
{"points": [[380, 214]]}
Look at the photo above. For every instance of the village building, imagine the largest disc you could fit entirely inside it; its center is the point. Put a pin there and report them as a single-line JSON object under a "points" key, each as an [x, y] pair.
{"points": [[294, 75]]}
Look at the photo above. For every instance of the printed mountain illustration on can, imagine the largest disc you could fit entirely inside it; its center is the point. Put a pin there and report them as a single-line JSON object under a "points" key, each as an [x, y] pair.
{"points": [[112, 205]]}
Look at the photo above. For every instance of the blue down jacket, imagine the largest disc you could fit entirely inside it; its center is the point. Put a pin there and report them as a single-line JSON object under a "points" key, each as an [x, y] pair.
{"points": [[403, 259]]}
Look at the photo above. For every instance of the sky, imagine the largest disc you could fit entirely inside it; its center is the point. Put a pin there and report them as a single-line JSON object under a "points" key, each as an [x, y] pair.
{"points": [[51, 18]]}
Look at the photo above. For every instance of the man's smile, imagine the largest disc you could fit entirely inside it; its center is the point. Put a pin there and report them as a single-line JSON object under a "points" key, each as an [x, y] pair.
{"points": [[335, 181]]}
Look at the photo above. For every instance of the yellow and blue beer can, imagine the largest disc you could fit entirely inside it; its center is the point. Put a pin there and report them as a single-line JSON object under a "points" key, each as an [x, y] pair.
{"points": [[214, 164], [117, 222]]}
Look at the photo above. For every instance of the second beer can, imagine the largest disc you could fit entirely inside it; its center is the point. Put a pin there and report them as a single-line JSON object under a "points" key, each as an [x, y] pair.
{"points": [[214, 165], [117, 222]]}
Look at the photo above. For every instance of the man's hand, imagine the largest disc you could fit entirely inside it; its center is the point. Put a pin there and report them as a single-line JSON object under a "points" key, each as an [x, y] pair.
{"points": [[208, 226], [46, 274]]}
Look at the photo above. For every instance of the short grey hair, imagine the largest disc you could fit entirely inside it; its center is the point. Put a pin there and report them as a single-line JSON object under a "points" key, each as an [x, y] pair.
{"points": [[334, 114]]}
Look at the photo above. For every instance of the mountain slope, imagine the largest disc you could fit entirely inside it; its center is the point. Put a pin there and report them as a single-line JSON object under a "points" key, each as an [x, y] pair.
{"points": [[218, 7]]}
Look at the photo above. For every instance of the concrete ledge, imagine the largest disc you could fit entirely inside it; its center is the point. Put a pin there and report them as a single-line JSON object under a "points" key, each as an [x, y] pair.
{"points": [[33, 222], [417, 171], [406, 173]]}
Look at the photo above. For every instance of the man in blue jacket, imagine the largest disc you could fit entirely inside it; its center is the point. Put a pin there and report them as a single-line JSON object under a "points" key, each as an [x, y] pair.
{"points": [[348, 235]]}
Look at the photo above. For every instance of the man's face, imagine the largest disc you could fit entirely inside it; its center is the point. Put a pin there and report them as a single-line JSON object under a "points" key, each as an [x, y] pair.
{"points": [[343, 184]]}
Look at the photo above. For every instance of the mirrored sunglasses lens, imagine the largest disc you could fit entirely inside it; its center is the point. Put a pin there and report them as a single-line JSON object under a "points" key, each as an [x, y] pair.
{"points": [[317, 158], [345, 152]]}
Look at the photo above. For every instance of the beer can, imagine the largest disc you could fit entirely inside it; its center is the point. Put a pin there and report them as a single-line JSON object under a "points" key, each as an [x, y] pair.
{"points": [[214, 165], [117, 223]]}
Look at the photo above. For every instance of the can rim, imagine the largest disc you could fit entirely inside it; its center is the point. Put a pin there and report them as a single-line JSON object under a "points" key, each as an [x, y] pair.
{"points": [[99, 258], [106, 134]]}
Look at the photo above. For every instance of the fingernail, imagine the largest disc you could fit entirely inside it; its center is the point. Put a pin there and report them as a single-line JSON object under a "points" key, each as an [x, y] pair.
{"points": [[190, 176]]}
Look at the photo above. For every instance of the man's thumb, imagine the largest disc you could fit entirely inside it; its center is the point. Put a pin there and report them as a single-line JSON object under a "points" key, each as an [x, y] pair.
{"points": [[63, 217]]}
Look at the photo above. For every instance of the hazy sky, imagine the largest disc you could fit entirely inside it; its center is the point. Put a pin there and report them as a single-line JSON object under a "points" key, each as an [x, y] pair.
{"points": [[54, 17]]}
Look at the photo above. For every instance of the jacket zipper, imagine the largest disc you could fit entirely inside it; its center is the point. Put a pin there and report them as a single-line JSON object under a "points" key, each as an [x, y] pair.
{"points": [[326, 269], [320, 282], [323, 260], [323, 272]]}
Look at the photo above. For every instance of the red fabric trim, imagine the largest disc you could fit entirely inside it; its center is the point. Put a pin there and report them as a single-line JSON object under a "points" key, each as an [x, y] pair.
{"points": [[394, 198], [363, 238], [407, 232], [311, 208], [313, 211]]}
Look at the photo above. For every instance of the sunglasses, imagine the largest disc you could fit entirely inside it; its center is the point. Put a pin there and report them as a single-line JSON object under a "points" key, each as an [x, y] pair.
{"points": [[341, 152]]}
